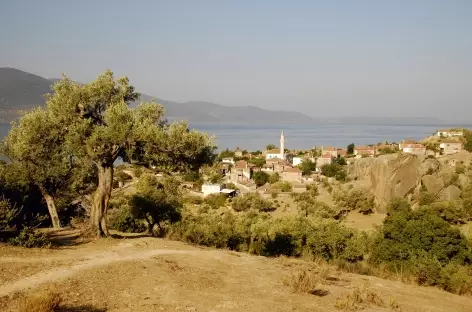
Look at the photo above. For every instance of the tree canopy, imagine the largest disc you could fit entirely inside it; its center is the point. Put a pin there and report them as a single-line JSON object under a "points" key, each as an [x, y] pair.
{"points": [[97, 126]]}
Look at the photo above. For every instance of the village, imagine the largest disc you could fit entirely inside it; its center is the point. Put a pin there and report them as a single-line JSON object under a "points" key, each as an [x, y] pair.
{"points": [[298, 168]]}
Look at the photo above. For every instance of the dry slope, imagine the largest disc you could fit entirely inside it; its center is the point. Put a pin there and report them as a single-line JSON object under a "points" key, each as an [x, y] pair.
{"points": [[147, 274]]}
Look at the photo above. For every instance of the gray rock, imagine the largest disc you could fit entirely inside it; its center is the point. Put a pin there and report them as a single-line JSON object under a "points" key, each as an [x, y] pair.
{"points": [[451, 192], [433, 184]]}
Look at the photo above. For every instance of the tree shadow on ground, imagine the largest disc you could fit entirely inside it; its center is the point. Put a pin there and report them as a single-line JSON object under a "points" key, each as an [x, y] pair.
{"points": [[133, 236], [81, 308], [319, 292]]}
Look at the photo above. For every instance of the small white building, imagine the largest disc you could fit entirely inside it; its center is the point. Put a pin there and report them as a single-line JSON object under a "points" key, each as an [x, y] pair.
{"points": [[298, 160], [416, 149], [450, 133], [208, 189], [228, 160], [449, 147]]}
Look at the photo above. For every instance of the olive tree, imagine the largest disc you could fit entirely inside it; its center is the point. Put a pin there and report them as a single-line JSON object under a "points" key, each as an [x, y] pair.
{"points": [[101, 127], [35, 147]]}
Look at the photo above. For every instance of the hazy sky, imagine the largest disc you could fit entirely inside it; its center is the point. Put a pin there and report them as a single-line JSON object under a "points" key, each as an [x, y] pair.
{"points": [[324, 58]]}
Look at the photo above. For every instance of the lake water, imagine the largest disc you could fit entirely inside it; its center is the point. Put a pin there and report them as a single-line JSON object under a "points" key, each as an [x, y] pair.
{"points": [[254, 137]]}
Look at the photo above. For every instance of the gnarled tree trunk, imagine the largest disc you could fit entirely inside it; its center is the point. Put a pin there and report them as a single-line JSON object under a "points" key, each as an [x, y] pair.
{"points": [[101, 199], [51, 208]]}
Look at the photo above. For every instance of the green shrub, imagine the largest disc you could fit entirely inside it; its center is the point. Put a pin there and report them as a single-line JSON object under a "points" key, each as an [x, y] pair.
{"points": [[124, 221], [274, 178], [283, 186], [215, 201], [260, 178], [355, 199], [426, 198], [29, 238], [460, 168], [408, 234], [274, 194], [194, 199], [251, 201]]}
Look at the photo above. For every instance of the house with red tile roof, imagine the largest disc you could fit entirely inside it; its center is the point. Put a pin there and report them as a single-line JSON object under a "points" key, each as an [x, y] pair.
{"points": [[325, 159], [329, 150], [364, 151], [412, 147]]}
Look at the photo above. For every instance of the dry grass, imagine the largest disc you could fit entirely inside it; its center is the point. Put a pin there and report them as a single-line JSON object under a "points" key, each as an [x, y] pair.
{"points": [[304, 280], [393, 305], [360, 297], [44, 301]]}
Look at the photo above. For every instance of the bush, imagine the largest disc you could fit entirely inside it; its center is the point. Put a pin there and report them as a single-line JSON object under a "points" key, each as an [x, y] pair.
{"points": [[43, 301], [334, 170], [283, 186], [215, 201], [460, 168], [8, 215], [124, 221], [426, 198], [408, 234], [274, 178], [251, 201], [195, 200], [29, 238], [260, 178], [355, 199]]}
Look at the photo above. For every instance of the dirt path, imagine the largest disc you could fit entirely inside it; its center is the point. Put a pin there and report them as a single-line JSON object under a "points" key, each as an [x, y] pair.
{"points": [[96, 259]]}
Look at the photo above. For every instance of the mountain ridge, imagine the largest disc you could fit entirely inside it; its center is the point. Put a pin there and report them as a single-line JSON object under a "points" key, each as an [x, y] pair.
{"points": [[20, 90]]}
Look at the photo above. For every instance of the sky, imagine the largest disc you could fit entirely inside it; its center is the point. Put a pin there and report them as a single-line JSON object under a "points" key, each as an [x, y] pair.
{"points": [[323, 58]]}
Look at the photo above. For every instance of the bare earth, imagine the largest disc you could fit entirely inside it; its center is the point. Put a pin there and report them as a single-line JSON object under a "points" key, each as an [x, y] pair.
{"points": [[149, 274]]}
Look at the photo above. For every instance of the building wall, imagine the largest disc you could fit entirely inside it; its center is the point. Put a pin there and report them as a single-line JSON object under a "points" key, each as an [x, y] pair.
{"points": [[296, 161], [323, 161], [292, 176], [208, 189], [449, 134], [450, 148], [415, 150]]}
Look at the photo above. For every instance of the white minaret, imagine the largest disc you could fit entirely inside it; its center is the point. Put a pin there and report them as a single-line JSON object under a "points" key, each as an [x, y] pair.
{"points": [[282, 145]]}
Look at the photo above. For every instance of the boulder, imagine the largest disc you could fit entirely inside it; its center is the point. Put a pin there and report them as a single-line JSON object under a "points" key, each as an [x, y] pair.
{"points": [[394, 176], [433, 184], [451, 192], [447, 175], [463, 181], [429, 166]]}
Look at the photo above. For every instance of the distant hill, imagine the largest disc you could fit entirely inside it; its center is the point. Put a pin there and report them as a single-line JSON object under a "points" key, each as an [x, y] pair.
{"points": [[20, 90]]}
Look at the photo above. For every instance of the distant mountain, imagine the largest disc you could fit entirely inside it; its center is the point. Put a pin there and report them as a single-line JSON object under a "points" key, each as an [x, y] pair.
{"points": [[20, 90]]}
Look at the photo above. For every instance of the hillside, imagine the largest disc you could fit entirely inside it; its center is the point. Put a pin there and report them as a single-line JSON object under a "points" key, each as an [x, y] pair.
{"points": [[149, 274], [20, 90]]}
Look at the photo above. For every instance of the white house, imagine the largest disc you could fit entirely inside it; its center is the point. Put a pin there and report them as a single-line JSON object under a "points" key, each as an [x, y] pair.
{"points": [[414, 148], [228, 160], [208, 189], [450, 133], [450, 147], [296, 161]]}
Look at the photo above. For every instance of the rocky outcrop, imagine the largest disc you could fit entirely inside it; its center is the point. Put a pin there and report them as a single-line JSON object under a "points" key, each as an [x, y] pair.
{"points": [[429, 166], [392, 176], [403, 175], [463, 181], [432, 184], [451, 192]]}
